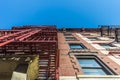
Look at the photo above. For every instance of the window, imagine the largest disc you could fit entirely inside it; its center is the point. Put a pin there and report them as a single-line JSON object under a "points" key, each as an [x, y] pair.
{"points": [[91, 65], [107, 45], [70, 38], [93, 38], [86, 34], [67, 34], [77, 46]]}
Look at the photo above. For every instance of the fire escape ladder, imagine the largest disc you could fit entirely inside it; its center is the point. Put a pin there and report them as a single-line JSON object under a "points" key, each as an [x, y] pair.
{"points": [[41, 40], [43, 66], [47, 65], [52, 66]]}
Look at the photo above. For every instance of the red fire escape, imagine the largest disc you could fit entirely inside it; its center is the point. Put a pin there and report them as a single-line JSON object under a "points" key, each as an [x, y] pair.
{"points": [[28, 40]]}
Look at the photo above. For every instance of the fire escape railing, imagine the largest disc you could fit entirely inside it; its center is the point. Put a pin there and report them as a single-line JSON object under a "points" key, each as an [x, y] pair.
{"points": [[34, 40]]}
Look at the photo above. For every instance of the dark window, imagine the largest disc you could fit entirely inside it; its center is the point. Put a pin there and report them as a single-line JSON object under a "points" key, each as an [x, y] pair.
{"points": [[93, 66], [67, 34], [77, 46], [86, 34], [93, 38], [107, 45], [70, 38]]}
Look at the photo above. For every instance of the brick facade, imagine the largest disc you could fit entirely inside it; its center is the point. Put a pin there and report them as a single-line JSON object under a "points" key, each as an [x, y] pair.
{"points": [[69, 65]]}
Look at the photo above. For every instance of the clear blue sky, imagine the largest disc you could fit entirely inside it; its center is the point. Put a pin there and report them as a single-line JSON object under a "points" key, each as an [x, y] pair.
{"points": [[63, 13]]}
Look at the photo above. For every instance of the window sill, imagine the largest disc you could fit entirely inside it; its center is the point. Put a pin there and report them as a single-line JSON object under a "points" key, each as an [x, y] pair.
{"points": [[98, 76]]}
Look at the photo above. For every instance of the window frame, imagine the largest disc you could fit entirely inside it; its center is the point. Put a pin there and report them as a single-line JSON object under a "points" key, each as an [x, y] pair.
{"points": [[111, 45], [93, 38], [86, 34], [72, 38], [104, 67], [80, 44], [67, 34]]}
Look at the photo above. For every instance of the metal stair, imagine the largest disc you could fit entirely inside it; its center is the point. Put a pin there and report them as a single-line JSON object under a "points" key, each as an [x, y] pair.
{"points": [[47, 66]]}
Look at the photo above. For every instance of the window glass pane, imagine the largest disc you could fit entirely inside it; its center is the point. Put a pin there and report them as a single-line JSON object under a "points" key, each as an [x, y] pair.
{"points": [[94, 72], [88, 63], [106, 46], [76, 46], [68, 34], [93, 38], [93, 66], [70, 38]]}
